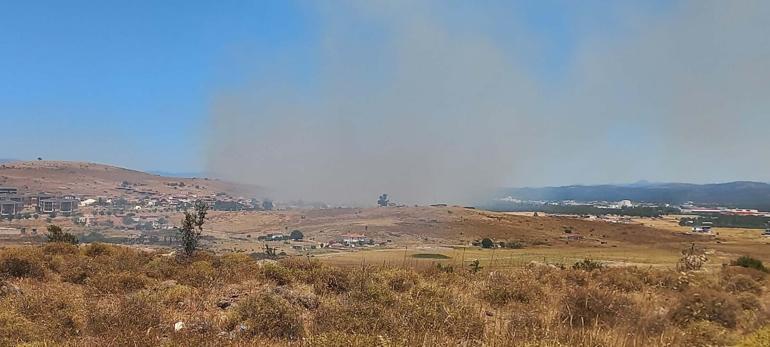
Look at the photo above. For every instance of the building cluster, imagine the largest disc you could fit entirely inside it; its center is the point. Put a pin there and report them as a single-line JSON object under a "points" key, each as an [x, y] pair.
{"points": [[12, 203]]}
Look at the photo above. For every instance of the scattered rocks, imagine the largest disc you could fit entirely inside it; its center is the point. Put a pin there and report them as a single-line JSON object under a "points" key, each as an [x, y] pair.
{"points": [[178, 326], [227, 302]]}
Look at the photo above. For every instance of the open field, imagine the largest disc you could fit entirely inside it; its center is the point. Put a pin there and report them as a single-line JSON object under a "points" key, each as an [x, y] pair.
{"points": [[449, 231]]}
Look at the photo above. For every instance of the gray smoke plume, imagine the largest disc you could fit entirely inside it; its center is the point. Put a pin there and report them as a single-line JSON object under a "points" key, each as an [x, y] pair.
{"points": [[424, 102]]}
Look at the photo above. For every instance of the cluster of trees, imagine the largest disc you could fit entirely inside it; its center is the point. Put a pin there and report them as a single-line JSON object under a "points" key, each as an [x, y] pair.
{"points": [[489, 243]]}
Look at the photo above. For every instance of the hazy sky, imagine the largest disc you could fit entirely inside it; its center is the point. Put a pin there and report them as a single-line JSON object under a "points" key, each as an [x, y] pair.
{"points": [[425, 99]]}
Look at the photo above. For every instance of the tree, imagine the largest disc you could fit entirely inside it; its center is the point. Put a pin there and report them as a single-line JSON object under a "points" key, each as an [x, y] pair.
{"points": [[192, 227], [383, 200], [267, 205], [487, 243], [55, 234], [296, 235]]}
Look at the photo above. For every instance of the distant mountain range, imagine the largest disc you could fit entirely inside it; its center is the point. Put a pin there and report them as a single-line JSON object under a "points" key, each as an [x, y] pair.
{"points": [[742, 194]]}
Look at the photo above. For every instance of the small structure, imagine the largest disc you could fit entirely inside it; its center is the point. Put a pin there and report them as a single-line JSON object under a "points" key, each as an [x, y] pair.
{"points": [[353, 239], [9, 191], [702, 230], [50, 205], [9, 207]]}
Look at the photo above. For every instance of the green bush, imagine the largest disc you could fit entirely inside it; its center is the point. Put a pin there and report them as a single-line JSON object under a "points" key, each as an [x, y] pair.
{"points": [[588, 265], [749, 262]]}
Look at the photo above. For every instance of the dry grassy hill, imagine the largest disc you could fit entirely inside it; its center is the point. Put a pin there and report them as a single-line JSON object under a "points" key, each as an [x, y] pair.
{"points": [[80, 178]]}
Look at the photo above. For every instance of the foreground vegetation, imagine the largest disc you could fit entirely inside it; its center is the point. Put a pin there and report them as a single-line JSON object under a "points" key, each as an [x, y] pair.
{"points": [[99, 295]]}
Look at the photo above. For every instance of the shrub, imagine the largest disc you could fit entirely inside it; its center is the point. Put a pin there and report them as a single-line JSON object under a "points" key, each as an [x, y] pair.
{"points": [[235, 268], [624, 279], [707, 305], [586, 306], [742, 283], [760, 338], [751, 263], [269, 316], [706, 334], [277, 273], [121, 282], [749, 302], [132, 320], [57, 309], [60, 248], [487, 243], [15, 328], [400, 280], [55, 234], [97, 249], [588, 265], [501, 290], [22, 262], [331, 280]]}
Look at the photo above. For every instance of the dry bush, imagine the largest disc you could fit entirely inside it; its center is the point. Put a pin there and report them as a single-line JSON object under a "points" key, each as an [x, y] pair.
{"points": [[707, 305], [60, 248], [118, 283], [97, 249], [527, 323], [354, 317], [623, 279], [760, 338], [368, 286], [22, 262], [56, 308], [77, 270], [706, 334], [400, 280], [235, 268], [197, 274], [329, 280], [589, 306], [501, 289], [268, 315], [742, 283], [338, 339], [15, 328], [129, 320], [749, 302], [729, 271], [162, 268], [278, 274]]}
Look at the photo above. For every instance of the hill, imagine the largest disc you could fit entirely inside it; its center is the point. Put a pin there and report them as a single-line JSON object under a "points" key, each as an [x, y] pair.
{"points": [[80, 178], [742, 194]]}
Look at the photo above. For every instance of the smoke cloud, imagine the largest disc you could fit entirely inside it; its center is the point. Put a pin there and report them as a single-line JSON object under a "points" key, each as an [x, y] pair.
{"points": [[431, 102]]}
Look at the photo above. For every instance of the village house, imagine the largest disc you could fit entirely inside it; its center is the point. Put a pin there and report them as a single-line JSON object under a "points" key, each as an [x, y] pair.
{"points": [[64, 204], [354, 239]]}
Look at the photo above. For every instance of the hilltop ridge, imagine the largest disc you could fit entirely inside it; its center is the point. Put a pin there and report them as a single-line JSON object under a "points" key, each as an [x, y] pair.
{"points": [[84, 178]]}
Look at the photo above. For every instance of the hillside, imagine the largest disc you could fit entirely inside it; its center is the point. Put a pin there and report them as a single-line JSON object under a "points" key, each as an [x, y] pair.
{"points": [[80, 178], [735, 194]]}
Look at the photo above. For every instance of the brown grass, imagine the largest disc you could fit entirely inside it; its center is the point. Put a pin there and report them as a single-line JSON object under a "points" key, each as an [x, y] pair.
{"points": [[98, 295]]}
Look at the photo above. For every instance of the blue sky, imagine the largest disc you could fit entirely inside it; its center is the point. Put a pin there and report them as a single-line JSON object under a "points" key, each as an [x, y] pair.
{"points": [[137, 83], [129, 83]]}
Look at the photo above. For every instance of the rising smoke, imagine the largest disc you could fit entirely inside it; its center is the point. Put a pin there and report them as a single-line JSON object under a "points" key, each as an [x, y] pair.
{"points": [[432, 104]]}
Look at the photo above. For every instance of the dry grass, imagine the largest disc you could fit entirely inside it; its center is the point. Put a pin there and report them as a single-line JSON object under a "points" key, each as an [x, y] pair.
{"points": [[98, 295]]}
